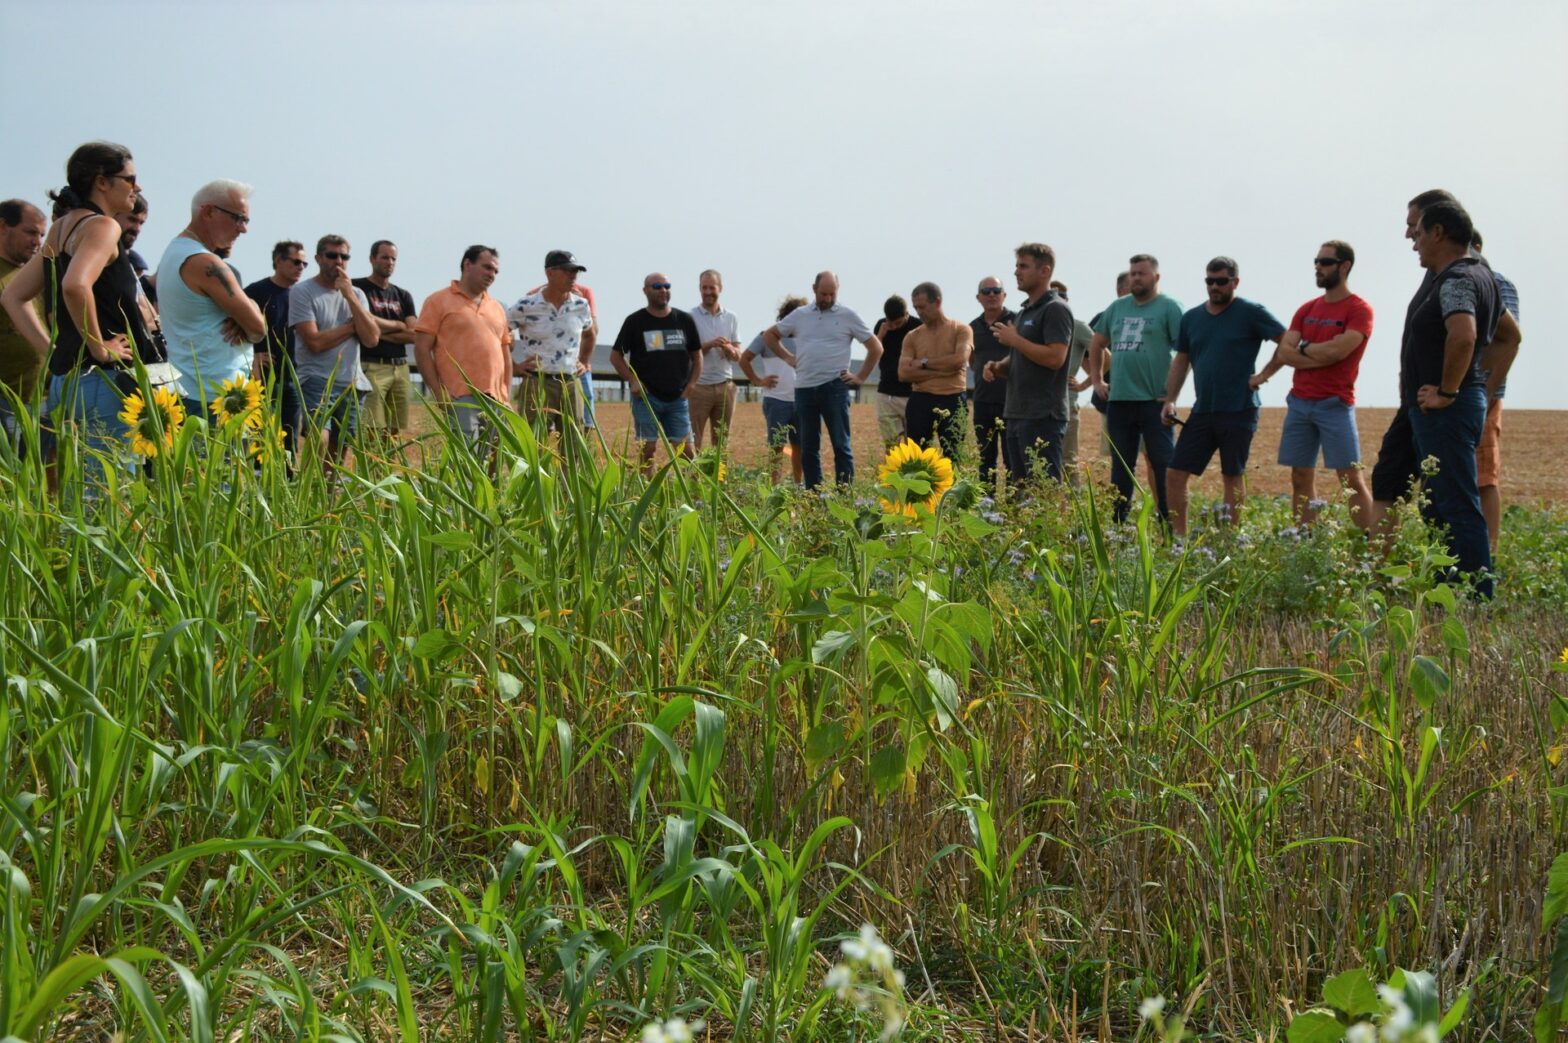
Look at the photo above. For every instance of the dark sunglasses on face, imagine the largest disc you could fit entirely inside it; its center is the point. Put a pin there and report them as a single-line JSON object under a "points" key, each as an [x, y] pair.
{"points": [[129, 179], [991, 291], [298, 262], [1327, 262], [658, 286], [335, 255], [1218, 280]]}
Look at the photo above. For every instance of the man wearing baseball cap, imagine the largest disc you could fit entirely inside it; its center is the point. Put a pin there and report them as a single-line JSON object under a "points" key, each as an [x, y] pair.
{"points": [[553, 344]]}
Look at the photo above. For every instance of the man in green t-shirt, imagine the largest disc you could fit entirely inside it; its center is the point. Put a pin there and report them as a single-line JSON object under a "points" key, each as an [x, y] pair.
{"points": [[21, 233], [1140, 331]]}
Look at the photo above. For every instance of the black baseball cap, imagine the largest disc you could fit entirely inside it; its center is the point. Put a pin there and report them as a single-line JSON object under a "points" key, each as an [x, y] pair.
{"points": [[563, 259]]}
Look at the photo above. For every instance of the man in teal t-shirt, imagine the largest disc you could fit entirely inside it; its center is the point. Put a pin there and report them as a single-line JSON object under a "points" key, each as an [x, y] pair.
{"points": [[1141, 330]]}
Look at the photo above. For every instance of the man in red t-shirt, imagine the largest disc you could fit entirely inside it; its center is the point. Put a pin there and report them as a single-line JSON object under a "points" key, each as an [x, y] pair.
{"points": [[1324, 346]]}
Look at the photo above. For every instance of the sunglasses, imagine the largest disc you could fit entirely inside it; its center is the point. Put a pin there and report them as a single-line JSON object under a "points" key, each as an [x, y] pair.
{"points": [[658, 286], [1327, 262], [298, 262], [129, 179], [239, 219], [1218, 280], [335, 255], [991, 291]]}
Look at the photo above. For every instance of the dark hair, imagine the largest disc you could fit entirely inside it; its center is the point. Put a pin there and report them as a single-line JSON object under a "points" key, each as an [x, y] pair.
{"points": [[88, 163], [471, 254], [1122, 279], [1060, 287], [376, 246], [929, 290], [1455, 221], [1226, 264], [139, 205], [789, 304], [894, 308], [1475, 239], [1342, 250], [1037, 251], [14, 211], [284, 247], [1430, 196], [1148, 259], [329, 240]]}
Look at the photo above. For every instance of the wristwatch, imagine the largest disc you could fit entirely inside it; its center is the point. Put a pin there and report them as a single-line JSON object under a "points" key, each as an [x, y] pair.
{"points": [[1302, 347], [1447, 394]]}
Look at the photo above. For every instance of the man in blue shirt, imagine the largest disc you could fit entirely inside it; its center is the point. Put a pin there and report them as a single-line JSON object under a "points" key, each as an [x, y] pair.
{"points": [[1489, 452], [1219, 342]]}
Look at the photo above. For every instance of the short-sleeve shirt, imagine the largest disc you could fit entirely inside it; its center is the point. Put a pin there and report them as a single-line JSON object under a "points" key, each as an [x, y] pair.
{"points": [[309, 301], [988, 349], [1223, 350], [952, 339], [716, 367], [659, 349], [892, 351], [19, 361], [394, 304], [822, 340], [1317, 321], [552, 335], [774, 366], [273, 300], [471, 342], [1464, 287], [1036, 392], [1509, 296], [1142, 340]]}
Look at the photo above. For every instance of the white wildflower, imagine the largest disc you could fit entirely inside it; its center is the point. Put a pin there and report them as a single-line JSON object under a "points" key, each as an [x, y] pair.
{"points": [[1151, 1007], [675, 1030], [840, 979], [1361, 1032]]}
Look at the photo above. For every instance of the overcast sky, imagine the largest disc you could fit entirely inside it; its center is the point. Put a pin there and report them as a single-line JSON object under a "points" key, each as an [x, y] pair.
{"points": [[891, 141]]}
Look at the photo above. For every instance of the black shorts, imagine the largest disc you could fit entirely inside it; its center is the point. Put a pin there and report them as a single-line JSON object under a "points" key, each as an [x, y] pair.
{"points": [[1203, 433], [1396, 470]]}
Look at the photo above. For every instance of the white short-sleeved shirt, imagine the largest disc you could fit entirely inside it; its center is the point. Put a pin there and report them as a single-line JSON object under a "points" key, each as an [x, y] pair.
{"points": [[773, 366], [716, 368], [822, 341], [552, 335]]}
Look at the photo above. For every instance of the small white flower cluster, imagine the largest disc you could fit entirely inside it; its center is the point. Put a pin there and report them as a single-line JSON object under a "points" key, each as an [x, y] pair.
{"points": [[868, 979], [675, 1030], [1398, 1023], [1152, 1009]]}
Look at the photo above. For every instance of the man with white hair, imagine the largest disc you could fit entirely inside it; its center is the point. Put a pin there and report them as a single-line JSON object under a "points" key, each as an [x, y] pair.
{"points": [[208, 321]]}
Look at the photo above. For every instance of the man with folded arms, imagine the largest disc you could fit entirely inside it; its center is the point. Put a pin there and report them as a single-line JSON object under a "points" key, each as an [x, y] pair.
{"points": [[933, 363]]}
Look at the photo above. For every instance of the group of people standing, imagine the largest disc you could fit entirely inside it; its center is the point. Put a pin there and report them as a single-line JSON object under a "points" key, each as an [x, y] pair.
{"points": [[335, 350]]}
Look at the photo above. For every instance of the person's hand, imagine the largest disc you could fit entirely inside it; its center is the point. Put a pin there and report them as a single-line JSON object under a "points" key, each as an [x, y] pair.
{"points": [[343, 284], [849, 378], [989, 373], [114, 349], [730, 349], [1102, 389], [1078, 385], [529, 364], [635, 389], [1428, 398], [1168, 414], [581, 368], [769, 381], [1257, 380], [1004, 333], [232, 334]]}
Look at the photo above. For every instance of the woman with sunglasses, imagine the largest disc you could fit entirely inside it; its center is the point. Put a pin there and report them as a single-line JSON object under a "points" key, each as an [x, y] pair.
{"points": [[90, 289]]}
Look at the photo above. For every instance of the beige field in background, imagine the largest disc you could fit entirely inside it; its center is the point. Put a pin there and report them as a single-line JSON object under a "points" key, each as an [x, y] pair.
{"points": [[1535, 447]]}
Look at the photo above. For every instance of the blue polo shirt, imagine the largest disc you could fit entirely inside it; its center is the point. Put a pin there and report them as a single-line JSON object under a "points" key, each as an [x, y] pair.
{"points": [[1223, 350]]}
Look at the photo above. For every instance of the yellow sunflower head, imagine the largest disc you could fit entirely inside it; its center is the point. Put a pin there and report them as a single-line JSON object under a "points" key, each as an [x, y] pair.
{"points": [[152, 426], [710, 463], [912, 480], [238, 402], [263, 445]]}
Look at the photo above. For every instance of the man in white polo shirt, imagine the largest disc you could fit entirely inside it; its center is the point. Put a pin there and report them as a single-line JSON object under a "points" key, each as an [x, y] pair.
{"points": [[713, 399], [824, 332]]}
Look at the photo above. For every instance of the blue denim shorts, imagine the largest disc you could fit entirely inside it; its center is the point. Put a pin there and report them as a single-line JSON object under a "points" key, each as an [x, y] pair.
{"points": [[652, 413], [1311, 423]]}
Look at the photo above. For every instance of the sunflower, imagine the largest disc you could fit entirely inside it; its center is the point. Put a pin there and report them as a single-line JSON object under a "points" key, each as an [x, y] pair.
{"points": [[152, 427], [710, 463], [263, 445], [238, 401], [913, 479]]}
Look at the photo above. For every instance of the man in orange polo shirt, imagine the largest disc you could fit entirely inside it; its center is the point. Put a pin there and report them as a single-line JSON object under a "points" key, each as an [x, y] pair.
{"points": [[934, 364], [462, 343]]}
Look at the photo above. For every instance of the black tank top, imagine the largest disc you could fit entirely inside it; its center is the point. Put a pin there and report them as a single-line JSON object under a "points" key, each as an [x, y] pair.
{"points": [[118, 312]]}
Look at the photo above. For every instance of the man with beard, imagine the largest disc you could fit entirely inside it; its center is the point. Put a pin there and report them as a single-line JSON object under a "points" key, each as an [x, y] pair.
{"points": [[1325, 343], [332, 323], [386, 364]]}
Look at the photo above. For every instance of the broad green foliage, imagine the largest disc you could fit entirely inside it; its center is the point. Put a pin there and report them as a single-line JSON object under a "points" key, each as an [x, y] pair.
{"points": [[529, 747]]}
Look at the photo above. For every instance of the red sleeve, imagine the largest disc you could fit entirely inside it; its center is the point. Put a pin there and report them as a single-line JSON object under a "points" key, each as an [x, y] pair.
{"points": [[1359, 318], [1301, 314]]}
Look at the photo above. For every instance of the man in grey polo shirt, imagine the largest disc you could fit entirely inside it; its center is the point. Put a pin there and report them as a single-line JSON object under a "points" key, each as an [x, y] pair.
{"points": [[331, 320], [713, 399], [1035, 416], [824, 332]]}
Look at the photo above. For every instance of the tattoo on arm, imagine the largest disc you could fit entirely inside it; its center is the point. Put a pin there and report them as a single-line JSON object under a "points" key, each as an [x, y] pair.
{"points": [[220, 271]]}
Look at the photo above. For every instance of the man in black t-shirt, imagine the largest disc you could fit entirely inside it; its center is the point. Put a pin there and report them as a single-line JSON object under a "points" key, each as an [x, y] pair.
{"points": [[273, 358], [990, 395], [1442, 388], [385, 409], [659, 354], [893, 394]]}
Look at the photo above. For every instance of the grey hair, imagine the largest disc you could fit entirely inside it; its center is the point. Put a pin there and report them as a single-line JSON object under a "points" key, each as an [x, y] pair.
{"points": [[216, 193]]}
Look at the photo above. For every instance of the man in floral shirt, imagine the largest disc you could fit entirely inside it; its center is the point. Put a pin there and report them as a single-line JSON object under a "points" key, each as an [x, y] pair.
{"points": [[553, 345]]}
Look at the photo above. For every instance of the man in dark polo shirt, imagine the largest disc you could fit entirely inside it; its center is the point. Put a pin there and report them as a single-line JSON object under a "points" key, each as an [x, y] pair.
{"points": [[659, 354], [274, 360], [385, 410], [1035, 415], [990, 395], [892, 393]]}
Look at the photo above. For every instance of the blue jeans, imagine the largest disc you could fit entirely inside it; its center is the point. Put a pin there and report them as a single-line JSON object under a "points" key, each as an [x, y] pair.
{"points": [[89, 399], [1126, 423], [824, 404], [1041, 439], [1453, 497], [331, 406], [587, 382]]}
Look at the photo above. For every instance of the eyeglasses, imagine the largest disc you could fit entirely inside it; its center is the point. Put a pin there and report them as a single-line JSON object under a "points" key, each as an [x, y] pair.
{"points": [[239, 219], [298, 262], [1218, 280], [658, 286], [991, 291], [1327, 262], [335, 255], [129, 179]]}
